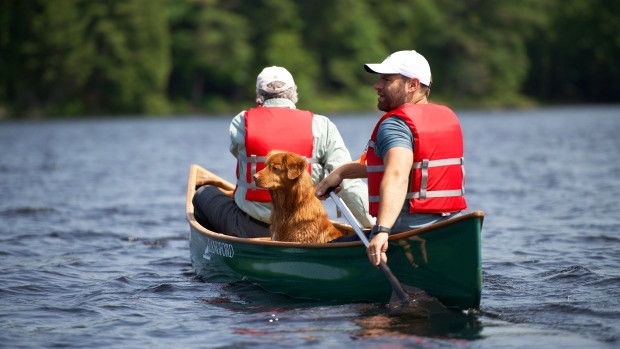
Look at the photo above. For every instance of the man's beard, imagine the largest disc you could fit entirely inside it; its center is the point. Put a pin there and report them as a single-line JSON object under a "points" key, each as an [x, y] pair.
{"points": [[393, 101]]}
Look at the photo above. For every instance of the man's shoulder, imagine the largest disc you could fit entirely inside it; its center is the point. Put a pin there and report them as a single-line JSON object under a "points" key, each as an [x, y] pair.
{"points": [[393, 122], [239, 118], [322, 121], [411, 107], [320, 117], [392, 132]]}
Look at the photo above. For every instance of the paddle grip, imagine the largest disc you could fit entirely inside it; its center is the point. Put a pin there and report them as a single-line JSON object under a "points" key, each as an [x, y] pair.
{"points": [[330, 189]]}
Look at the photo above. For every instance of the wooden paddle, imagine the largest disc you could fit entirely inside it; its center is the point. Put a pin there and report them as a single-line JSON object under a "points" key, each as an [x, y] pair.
{"points": [[409, 297]]}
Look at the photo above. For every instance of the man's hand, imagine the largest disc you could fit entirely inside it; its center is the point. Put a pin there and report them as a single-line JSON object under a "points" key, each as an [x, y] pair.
{"points": [[377, 249], [226, 187], [332, 180]]}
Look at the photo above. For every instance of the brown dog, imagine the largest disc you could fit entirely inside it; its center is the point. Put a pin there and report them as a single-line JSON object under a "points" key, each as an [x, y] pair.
{"points": [[297, 214]]}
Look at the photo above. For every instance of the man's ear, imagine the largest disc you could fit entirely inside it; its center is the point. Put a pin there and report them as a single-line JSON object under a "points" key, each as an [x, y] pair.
{"points": [[295, 165], [412, 85]]}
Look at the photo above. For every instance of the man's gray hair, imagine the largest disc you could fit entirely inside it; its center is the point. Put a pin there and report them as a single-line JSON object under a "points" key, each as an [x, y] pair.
{"points": [[290, 94]]}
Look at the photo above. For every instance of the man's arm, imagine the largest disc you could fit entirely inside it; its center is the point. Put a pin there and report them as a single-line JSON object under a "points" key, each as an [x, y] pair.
{"points": [[347, 171], [333, 152], [398, 162], [236, 131]]}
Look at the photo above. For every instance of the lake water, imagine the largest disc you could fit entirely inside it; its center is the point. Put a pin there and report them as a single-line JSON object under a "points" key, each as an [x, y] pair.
{"points": [[94, 242]]}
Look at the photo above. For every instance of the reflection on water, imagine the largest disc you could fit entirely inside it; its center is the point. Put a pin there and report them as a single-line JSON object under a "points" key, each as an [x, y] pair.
{"points": [[376, 321], [370, 319]]}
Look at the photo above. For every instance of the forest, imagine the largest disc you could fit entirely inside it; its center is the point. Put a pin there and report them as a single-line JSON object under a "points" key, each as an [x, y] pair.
{"points": [[79, 58]]}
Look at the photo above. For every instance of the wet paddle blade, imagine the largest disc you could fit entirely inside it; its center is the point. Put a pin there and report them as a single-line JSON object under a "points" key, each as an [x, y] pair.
{"points": [[418, 302]]}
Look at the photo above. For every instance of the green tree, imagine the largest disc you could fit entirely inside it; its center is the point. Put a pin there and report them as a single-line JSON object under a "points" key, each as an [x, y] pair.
{"points": [[576, 59], [476, 49], [343, 35], [132, 60], [211, 51], [72, 57], [45, 57], [277, 35]]}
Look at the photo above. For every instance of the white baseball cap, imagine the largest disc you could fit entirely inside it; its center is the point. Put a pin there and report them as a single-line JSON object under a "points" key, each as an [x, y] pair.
{"points": [[272, 74], [408, 63]]}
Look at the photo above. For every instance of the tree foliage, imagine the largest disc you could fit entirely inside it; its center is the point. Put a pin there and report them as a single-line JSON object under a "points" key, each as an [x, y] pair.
{"points": [[72, 57], [576, 59], [81, 57]]}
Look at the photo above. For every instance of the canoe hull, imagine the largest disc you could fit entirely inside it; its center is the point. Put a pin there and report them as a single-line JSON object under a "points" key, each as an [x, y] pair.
{"points": [[444, 260], [315, 273]]}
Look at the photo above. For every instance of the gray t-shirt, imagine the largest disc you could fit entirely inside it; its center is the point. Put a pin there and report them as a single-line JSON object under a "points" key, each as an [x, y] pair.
{"points": [[394, 132]]}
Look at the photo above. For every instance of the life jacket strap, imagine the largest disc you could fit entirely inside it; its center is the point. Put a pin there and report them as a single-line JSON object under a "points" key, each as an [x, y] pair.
{"points": [[424, 165]]}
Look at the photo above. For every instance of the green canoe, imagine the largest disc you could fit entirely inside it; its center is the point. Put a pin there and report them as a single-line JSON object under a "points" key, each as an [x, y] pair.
{"points": [[442, 259]]}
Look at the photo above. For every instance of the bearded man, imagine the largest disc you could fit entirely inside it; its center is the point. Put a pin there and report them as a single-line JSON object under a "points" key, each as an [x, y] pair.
{"points": [[414, 159]]}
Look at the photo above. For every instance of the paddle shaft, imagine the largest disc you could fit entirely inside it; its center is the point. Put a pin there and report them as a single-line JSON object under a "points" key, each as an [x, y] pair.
{"points": [[396, 286]]}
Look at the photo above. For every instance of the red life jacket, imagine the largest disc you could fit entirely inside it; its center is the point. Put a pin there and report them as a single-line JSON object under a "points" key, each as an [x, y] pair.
{"points": [[438, 174], [271, 128]]}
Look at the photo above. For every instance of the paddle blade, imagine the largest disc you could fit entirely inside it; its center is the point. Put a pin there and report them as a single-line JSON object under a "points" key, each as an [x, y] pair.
{"points": [[418, 302]]}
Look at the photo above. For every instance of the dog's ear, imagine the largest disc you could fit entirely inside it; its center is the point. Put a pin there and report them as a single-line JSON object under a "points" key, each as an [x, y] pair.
{"points": [[296, 165]]}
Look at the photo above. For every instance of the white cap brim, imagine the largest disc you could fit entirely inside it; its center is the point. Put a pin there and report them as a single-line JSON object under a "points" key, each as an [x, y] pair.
{"points": [[378, 68]]}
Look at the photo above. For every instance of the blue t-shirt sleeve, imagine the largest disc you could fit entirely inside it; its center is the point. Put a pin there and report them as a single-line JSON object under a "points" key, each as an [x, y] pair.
{"points": [[393, 132]]}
